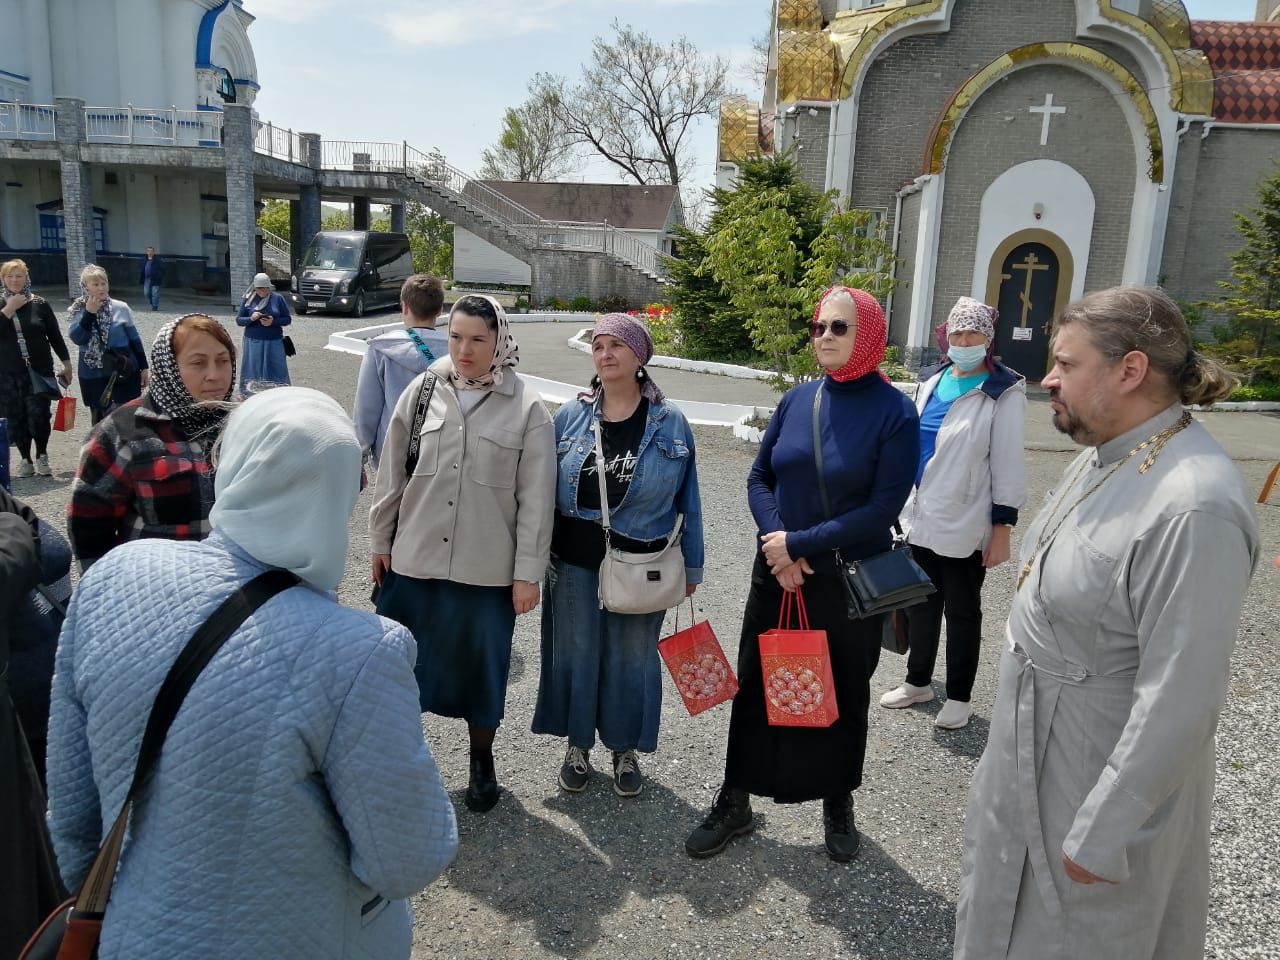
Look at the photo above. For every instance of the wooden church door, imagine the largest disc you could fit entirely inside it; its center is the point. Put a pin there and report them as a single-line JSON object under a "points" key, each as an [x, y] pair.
{"points": [[1027, 304]]}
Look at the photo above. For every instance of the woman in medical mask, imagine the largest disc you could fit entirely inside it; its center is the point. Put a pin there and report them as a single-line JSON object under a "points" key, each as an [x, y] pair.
{"points": [[970, 484]]}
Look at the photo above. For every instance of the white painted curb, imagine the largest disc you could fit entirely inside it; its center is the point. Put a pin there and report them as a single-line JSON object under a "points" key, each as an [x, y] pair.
{"points": [[696, 411]]}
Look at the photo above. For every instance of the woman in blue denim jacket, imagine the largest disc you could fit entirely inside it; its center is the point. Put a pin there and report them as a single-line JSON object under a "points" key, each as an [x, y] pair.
{"points": [[600, 669]]}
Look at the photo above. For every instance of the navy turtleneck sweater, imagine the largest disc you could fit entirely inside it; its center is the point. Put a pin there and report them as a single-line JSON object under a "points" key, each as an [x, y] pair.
{"points": [[870, 449]]}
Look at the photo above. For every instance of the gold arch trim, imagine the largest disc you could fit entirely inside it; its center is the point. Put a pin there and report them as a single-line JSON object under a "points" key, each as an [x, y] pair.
{"points": [[1066, 268], [857, 32], [1169, 30], [1036, 54]]}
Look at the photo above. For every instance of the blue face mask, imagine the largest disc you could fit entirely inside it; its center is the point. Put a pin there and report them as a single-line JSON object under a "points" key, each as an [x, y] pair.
{"points": [[966, 358]]}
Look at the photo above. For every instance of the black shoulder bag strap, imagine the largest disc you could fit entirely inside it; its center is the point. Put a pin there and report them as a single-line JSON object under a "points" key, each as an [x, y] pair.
{"points": [[425, 391], [91, 902]]}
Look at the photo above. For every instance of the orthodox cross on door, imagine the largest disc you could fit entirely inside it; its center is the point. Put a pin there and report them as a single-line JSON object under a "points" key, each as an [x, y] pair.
{"points": [[1047, 113], [1031, 266]]}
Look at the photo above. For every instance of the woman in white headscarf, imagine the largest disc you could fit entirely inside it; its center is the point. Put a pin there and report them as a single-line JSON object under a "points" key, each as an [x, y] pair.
{"points": [[461, 523], [294, 792]]}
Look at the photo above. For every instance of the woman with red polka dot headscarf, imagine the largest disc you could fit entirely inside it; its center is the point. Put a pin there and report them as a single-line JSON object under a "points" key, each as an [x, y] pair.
{"points": [[870, 440]]}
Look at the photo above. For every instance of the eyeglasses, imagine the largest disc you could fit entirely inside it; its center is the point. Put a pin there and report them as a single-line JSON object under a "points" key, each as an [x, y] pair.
{"points": [[818, 329]]}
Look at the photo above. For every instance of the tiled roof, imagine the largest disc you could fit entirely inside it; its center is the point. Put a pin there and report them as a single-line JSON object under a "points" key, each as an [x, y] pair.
{"points": [[1246, 65]]}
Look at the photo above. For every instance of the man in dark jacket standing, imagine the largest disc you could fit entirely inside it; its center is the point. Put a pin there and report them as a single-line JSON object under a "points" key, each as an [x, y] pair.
{"points": [[151, 276]]}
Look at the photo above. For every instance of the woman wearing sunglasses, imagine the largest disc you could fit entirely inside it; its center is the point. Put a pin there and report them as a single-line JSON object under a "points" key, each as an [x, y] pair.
{"points": [[870, 447]]}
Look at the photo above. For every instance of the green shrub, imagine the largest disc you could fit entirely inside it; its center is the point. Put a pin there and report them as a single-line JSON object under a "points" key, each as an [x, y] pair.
{"points": [[583, 304], [556, 303], [613, 303], [1266, 391]]}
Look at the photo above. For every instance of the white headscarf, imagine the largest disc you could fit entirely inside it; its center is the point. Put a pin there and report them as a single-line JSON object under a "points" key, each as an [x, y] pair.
{"points": [[288, 475]]}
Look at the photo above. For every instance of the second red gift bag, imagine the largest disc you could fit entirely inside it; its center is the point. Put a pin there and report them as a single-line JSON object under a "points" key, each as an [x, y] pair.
{"points": [[698, 665], [799, 690]]}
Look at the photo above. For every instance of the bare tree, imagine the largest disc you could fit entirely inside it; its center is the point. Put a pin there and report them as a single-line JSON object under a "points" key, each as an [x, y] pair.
{"points": [[532, 146], [636, 100]]}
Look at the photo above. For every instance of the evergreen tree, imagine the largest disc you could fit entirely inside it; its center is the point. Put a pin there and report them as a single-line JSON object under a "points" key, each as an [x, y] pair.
{"points": [[1250, 339]]}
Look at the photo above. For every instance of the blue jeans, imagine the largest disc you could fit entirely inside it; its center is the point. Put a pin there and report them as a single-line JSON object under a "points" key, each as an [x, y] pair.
{"points": [[151, 290], [600, 670]]}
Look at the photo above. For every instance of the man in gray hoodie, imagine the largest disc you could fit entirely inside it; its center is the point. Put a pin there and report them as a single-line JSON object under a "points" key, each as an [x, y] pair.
{"points": [[392, 360]]}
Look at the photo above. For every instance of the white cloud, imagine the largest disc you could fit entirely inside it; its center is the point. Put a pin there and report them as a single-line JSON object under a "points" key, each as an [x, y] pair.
{"points": [[290, 11], [457, 24]]}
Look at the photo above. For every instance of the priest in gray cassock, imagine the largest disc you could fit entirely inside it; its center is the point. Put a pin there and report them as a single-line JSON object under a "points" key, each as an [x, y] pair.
{"points": [[1087, 833]]}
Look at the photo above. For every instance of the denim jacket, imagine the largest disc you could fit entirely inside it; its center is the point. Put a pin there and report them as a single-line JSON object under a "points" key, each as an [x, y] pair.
{"points": [[665, 482]]}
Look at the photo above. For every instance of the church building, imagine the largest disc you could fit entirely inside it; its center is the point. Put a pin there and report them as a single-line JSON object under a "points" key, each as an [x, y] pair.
{"points": [[115, 104], [1023, 153]]}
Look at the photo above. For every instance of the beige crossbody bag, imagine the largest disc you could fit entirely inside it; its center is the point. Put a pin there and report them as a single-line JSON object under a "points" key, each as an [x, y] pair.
{"points": [[637, 582]]}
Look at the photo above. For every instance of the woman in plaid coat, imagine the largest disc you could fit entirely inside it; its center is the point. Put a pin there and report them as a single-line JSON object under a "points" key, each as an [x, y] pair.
{"points": [[145, 470]]}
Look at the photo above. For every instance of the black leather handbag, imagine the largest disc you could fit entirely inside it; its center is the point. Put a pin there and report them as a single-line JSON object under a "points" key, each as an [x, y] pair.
{"points": [[71, 932], [888, 581]]}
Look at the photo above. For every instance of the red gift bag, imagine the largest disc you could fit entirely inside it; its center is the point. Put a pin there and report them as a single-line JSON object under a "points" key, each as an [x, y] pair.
{"points": [[799, 689], [697, 665], [64, 418]]}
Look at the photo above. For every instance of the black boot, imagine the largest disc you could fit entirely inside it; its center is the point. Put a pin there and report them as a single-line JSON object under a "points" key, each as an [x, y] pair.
{"points": [[730, 816], [482, 791], [842, 837]]}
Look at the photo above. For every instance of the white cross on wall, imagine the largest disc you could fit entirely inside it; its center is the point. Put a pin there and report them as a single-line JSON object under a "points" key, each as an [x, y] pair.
{"points": [[1048, 110]]}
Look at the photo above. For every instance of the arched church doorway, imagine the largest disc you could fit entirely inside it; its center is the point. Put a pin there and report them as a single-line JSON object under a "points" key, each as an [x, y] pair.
{"points": [[1029, 282]]}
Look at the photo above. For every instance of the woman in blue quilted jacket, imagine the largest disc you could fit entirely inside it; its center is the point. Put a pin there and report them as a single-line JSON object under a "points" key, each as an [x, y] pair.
{"points": [[295, 805]]}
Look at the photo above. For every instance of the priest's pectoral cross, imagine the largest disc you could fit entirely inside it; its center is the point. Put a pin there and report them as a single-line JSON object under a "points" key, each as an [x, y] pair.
{"points": [[1047, 112], [1031, 266]]}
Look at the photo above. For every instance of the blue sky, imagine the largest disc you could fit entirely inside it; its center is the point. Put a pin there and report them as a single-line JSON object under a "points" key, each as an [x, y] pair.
{"points": [[440, 73]]}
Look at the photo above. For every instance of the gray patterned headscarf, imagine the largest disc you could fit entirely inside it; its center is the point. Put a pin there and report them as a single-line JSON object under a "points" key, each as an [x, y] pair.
{"points": [[167, 391], [91, 353]]}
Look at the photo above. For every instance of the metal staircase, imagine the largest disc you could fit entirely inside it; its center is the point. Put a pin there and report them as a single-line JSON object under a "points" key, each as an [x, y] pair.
{"points": [[474, 206]]}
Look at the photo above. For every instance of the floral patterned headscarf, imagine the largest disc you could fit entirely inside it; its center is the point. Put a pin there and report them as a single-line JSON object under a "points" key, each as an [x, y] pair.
{"points": [[870, 336], [506, 353]]}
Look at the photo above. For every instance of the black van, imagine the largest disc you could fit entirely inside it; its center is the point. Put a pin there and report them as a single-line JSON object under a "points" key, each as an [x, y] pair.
{"points": [[351, 271]]}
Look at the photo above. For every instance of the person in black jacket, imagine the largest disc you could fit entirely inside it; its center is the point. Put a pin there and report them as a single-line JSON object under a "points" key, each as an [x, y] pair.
{"points": [[28, 413], [151, 277], [30, 886]]}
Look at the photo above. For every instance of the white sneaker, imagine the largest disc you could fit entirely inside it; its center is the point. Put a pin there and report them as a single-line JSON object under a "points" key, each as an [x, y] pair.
{"points": [[954, 715], [42, 466], [905, 696], [24, 469]]}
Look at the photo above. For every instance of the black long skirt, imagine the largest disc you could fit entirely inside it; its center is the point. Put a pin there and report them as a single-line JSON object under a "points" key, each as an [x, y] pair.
{"points": [[797, 764]]}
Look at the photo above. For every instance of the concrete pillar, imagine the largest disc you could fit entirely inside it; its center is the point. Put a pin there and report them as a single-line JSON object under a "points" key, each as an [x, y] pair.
{"points": [[397, 218], [360, 213], [311, 151], [295, 231], [309, 215], [77, 189], [242, 226]]}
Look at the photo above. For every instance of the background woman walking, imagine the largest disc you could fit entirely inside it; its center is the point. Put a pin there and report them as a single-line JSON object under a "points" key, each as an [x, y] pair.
{"points": [[263, 314], [461, 526], [29, 340], [113, 364], [870, 446], [600, 669]]}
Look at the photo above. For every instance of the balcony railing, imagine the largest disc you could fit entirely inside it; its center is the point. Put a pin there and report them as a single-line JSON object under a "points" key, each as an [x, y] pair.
{"points": [[153, 125], [281, 142], [27, 121], [604, 237]]}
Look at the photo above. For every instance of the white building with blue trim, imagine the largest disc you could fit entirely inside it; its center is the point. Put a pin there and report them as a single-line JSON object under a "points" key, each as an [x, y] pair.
{"points": [[146, 73]]}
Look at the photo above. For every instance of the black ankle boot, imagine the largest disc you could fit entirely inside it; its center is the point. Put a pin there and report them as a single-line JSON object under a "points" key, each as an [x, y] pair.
{"points": [[482, 791], [842, 837], [730, 816]]}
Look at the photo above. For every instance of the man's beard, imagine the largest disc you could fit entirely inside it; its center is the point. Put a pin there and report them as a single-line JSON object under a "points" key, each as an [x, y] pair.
{"points": [[1069, 422]]}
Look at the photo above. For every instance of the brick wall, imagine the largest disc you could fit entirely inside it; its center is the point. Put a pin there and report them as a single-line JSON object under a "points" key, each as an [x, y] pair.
{"points": [[237, 139], [1216, 177], [1093, 137], [910, 83], [565, 274], [811, 136]]}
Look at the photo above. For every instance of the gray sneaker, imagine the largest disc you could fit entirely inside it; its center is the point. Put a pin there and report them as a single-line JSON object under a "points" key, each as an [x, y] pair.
{"points": [[24, 469], [626, 774], [42, 466], [576, 769]]}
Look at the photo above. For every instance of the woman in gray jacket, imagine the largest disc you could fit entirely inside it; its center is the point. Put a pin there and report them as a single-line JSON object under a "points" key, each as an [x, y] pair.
{"points": [[970, 484]]}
